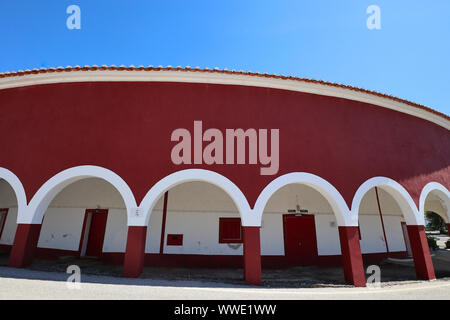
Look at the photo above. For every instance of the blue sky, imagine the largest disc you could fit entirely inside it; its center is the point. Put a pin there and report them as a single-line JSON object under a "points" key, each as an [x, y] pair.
{"points": [[328, 40]]}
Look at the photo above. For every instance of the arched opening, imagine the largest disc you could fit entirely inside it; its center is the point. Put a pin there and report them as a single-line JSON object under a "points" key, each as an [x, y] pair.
{"points": [[194, 230], [72, 207], [382, 227], [190, 175], [344, 219], [391, 231], [135, 256], [384, 236], [435, 205], [8, 219], [84, 224], [13, 201], [300, 234], [438, 202]]}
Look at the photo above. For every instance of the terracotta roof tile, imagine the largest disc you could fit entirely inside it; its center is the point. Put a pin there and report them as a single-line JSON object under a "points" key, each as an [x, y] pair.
{"points": [[216, 70]]}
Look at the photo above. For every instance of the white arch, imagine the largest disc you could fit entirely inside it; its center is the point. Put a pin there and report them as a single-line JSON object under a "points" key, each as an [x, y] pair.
{"points": [[397, 191], [443, 194], [41, 200], [188, 175], [17, 186], [327, 190]]}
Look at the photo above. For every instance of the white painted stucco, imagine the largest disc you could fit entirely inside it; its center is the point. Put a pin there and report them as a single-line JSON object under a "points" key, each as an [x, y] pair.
{"points": [[116, 231], [372, 236], [188, 175], [435, 197], [327, 234], [194, 209], [61, 228], [8, 200], [9, 230], [12, 188], [328, 191], [43, 197], [397, 191]]}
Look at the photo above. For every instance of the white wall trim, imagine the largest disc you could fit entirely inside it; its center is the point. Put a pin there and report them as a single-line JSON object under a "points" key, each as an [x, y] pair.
{"points": [[221, 78], [441, 192], [397, 191], [17, 186], [335, 199], [41, 200], [174, 179]]}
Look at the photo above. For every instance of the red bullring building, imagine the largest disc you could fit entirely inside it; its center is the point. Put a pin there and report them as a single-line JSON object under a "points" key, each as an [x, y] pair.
{"points": [[207, 168]]}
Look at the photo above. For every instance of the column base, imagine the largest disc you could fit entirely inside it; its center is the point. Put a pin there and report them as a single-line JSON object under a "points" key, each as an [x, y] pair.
{"points": [[421, 252], [252, 255], [135, 252], [351, 256], [25, 244]]}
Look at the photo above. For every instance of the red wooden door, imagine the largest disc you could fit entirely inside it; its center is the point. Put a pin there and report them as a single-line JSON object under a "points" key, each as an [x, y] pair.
{"points": [[96, 233], [300, 242]]}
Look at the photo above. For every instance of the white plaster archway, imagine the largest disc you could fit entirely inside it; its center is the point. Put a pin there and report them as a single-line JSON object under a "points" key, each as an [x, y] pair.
{"points": [[17, 186], [41, 200], [188, 175], [397, 191], [441, 192], [334, 198]]}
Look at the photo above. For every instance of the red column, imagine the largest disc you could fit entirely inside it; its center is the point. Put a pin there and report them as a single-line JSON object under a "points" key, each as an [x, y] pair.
{"points": [[135, 251], [351, 256], [25, 243], [421, 252], [252, 255]]}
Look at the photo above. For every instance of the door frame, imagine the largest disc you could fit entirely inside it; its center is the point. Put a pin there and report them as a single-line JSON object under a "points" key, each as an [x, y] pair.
{"points": [[84, 239], [408, 248], [316, 250]]}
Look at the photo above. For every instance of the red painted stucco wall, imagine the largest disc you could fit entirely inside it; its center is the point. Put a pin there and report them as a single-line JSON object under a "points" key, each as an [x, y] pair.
{"points": [[126, 127]]}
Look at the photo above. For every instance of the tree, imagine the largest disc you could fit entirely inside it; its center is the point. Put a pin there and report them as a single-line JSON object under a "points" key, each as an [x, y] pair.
{"points": [[434, 221]]}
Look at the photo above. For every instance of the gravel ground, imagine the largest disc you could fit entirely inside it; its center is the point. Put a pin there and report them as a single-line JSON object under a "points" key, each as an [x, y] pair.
{"points": [[295, 277]]}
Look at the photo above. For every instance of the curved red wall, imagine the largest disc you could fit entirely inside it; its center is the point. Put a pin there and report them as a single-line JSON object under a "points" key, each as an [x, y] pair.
{"points": [[126, 127]]}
